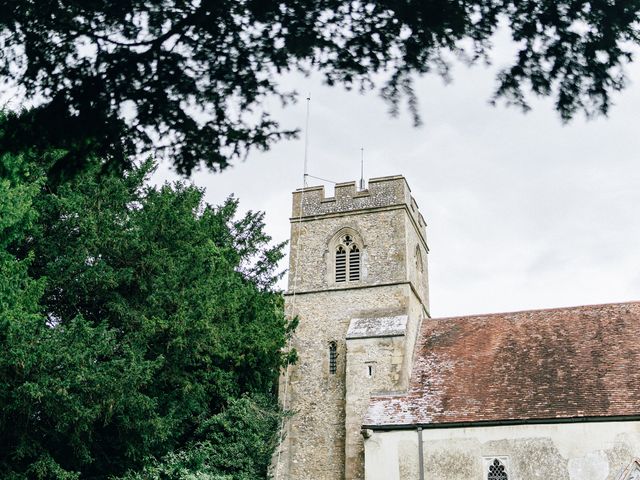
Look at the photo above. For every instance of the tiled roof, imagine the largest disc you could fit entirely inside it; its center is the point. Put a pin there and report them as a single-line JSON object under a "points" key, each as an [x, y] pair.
{"points": [[533, 365]]}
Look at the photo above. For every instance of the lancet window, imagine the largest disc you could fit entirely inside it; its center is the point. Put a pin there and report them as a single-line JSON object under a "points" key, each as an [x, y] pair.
{"points": [[333, 357]]}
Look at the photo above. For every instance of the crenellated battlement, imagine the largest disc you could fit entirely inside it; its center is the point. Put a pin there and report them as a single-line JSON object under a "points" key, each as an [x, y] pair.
{"points": [[381, 192]]}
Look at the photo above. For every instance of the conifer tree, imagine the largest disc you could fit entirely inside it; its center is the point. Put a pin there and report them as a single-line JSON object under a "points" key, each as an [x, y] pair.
{"points": [[139, 328]]}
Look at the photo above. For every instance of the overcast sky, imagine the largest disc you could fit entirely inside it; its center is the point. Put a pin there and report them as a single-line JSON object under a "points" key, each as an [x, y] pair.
{"points": [[522, 212]]}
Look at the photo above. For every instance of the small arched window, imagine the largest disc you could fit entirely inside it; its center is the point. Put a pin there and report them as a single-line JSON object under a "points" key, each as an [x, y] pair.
{"points": [[419, 264], [497, 471], [333, 358], [348, 260]]}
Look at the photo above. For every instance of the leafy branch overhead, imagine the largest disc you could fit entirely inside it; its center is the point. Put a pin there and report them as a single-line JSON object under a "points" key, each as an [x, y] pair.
{"points": [[189, 78]]}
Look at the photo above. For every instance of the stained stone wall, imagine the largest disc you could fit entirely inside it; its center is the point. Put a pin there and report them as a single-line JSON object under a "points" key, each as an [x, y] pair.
{"points": [[388, 226], [376, 361], [564, 451], [385, 216]]}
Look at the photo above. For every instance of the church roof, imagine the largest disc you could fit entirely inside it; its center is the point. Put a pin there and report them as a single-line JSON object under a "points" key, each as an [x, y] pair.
{"points": [[539, 365]]}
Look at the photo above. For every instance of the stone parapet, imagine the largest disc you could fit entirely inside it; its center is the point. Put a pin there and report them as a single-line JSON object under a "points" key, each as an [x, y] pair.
{"points": [[391, 191]]}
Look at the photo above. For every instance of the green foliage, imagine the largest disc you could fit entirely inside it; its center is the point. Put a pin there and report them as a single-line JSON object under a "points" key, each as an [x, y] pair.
{"points": [[139, 329], [19, 184], [236, 444], [111, 78]]}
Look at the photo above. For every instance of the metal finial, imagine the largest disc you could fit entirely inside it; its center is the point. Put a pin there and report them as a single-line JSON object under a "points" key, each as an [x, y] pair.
{"points": [[306, 143], [361, 168]]}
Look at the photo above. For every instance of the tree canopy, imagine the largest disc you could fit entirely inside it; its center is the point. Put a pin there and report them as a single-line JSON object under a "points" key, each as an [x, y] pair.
{"points": [[189, 78], [140, 334]]}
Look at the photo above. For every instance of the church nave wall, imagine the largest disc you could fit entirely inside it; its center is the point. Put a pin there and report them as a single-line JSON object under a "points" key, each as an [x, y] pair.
{"points": [[562, 451]]}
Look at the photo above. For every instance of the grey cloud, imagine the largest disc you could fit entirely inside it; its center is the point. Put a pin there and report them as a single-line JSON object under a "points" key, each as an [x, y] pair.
{"points": [[522, 211]]}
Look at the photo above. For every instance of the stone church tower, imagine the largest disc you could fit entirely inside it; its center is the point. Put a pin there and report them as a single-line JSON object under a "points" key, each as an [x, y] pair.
{"points": [[358, 284]]}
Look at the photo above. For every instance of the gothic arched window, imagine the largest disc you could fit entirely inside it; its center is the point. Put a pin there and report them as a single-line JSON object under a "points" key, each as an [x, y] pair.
{"points": [[348, 260], [497, 471]]}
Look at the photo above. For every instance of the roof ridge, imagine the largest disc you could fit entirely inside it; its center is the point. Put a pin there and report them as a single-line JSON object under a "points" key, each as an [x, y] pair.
{"points": [[562, 362], [548, 309]]}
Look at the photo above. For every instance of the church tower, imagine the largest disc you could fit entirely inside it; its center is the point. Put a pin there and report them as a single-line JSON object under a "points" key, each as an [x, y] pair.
{"points": [[358, 284]]}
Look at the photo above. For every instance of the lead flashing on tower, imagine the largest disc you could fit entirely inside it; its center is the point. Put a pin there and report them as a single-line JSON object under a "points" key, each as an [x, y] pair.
{"points": [[372, 327], [387, 178]]}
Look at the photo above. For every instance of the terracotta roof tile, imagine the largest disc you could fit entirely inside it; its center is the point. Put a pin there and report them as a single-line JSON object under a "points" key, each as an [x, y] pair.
{"points": [[540, 364]]}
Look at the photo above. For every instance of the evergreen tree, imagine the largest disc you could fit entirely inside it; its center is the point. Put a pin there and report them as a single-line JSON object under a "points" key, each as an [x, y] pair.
{"points": [[138, 328]]}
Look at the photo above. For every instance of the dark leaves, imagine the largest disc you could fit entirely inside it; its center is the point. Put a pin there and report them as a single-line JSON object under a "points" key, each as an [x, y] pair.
{"points": [[188, 79], [131, 315]]}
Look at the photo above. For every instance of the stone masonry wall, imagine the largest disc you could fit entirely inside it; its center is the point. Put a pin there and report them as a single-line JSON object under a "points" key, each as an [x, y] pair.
{"points": [[315, 435], [383, 256], [386, 358], [314, 446], [391, 358], [417, 274], [381, 192]]}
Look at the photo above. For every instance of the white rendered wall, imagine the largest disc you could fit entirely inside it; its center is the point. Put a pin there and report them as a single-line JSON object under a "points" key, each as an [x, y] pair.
{"points": [[567, 451]]}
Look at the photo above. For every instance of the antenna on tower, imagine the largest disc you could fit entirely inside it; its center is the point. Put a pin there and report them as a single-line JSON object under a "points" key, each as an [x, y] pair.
{"points": [[361, 168], [306, 143]]}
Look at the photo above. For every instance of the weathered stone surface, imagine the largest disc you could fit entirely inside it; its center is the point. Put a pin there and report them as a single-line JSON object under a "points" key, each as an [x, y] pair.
{"points": [[568, 451], [323, 437]]}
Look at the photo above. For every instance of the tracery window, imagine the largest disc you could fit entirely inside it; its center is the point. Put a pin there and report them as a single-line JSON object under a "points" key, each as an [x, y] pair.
{"points": [[333, 357], [497, 471], [348, 260]]}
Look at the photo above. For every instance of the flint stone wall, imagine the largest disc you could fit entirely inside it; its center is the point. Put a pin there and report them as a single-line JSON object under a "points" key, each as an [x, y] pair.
{"points": [[386, 221]]}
